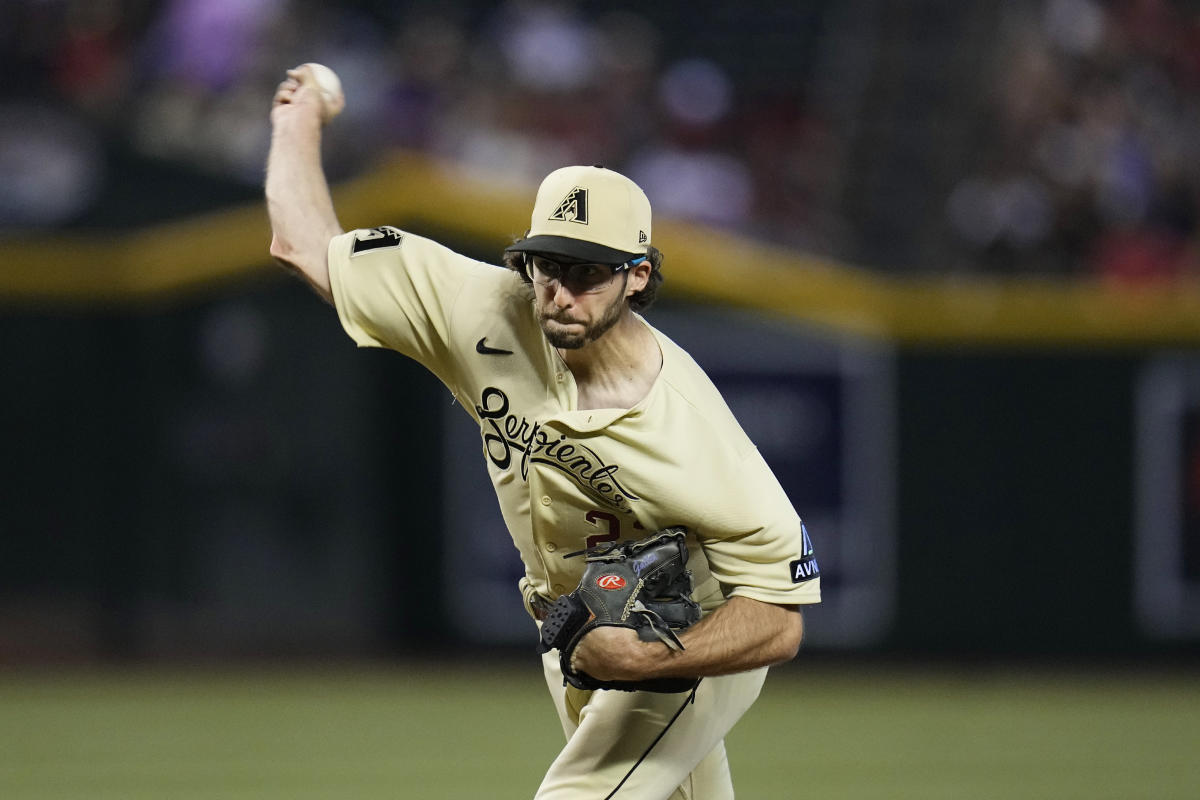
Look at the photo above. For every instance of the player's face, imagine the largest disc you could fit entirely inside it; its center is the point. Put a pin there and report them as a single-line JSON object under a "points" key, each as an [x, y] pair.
{"points": [[576, 304]]}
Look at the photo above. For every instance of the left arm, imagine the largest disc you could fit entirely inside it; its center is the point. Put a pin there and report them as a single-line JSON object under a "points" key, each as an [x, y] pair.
{"points": [[741, 635]]}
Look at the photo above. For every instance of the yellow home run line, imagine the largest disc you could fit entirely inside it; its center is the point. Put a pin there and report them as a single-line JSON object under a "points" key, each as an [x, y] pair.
{"points": [[175, 259]]}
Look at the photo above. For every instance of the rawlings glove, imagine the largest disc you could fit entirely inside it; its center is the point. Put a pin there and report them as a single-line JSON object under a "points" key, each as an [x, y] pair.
{"points": [[641, 585]]}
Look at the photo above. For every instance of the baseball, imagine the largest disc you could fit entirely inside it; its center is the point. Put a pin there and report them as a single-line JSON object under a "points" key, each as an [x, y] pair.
{"points": [[327, 81]]}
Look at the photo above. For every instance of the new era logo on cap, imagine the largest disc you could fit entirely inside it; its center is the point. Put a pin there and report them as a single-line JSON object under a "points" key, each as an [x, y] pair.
{"points": [[589, 214]]}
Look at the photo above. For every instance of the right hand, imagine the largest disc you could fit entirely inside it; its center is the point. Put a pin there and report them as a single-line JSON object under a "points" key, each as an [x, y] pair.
{"points": [[300, 91]]}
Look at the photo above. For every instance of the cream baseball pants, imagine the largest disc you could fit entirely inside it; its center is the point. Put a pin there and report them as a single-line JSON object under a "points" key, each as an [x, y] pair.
{"points": [[608, 731]]}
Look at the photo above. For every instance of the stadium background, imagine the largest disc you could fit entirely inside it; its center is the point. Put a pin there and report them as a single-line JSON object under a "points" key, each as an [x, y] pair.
{"points": [[964, 234]]}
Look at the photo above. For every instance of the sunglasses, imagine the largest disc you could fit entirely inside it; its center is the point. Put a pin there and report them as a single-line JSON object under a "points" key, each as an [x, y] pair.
{"points": [[577, 278]]}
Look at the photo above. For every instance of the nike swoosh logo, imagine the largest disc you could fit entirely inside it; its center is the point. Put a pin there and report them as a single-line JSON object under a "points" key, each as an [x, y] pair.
{"points": [[482, 348]]}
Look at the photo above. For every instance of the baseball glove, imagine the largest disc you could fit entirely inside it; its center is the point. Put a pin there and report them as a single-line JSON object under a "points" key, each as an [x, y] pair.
{"points": [[641, 585]]}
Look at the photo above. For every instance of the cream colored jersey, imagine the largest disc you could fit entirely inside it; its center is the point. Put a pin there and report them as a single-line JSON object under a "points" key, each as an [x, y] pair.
{"points": [[567, 478]]}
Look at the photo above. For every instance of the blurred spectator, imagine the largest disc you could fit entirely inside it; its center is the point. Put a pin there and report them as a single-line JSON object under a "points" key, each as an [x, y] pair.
{"points": [[686, 170], [50, 166]]}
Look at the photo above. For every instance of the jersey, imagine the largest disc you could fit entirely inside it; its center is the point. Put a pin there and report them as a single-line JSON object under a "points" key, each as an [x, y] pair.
{"points": [[569, 478]]}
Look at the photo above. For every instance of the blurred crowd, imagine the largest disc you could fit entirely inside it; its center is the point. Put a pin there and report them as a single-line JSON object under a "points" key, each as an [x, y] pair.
{"points": [[1089, 161], [1082, 162], [518, 88]]}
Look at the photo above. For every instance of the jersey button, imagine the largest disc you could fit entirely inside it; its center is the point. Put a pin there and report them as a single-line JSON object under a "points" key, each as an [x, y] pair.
{"points": [[551, 547], [546, 500], [558, 376]]}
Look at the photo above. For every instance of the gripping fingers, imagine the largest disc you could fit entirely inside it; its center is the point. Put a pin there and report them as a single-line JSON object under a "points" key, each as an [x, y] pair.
{"points": [[297, 77], [312, 85], [285, 90]]}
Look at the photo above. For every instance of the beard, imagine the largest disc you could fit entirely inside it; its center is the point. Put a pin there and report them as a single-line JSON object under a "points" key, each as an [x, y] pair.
{"points": [[573, 340]]}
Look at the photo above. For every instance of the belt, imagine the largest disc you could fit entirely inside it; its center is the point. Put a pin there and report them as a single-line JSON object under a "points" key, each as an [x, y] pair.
{"points": [[540, 607]]}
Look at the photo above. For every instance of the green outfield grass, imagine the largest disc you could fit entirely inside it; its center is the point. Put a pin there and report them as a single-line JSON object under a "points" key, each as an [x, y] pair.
{"points": [[452, 732]]}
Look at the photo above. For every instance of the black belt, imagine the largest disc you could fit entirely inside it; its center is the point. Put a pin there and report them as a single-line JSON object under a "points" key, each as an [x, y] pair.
{"points": [[541, 607]]}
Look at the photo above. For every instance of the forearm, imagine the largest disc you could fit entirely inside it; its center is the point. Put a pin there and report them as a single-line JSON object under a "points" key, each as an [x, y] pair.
{"points": [[741, 635], [299, 204]]}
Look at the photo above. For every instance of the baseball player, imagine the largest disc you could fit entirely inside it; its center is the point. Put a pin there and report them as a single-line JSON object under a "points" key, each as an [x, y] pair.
{"points": [[595, 428]]}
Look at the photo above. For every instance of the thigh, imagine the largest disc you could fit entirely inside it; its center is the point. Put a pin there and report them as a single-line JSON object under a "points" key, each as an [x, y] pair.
{"points": [[710, 780], [569, 702], [609, 731]]}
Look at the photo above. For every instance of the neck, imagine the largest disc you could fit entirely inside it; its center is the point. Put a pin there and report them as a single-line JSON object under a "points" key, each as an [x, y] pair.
{"points": [[616, 370]]}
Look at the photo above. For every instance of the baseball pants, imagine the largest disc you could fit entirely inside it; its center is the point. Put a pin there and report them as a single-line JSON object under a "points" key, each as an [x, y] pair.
{"points": [[608, 731]]}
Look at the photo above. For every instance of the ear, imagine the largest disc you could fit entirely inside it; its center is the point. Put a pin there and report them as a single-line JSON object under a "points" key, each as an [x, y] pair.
{"points": [[639, 276]]}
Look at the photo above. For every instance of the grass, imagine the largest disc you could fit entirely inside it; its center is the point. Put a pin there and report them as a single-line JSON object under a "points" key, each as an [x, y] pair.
{"points": [[446, 731], [989, 735]]}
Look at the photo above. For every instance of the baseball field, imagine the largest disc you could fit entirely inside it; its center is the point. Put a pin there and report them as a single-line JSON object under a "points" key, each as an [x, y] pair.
{"points": [[450, 731]]}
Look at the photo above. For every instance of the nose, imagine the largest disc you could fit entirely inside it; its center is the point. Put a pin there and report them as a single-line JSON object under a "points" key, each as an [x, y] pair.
{"points": [[563, 298]]}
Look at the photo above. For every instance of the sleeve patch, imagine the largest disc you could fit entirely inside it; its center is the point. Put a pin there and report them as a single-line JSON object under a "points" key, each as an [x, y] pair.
{"points": [[375, 239], [805, 568]]}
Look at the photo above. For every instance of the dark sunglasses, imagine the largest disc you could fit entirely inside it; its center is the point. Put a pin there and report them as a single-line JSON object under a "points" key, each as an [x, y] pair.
{"points": [[577, 278]]}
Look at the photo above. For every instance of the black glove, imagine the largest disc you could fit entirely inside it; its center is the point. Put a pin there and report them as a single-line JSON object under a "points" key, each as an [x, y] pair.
{"points": [[641, 585]]}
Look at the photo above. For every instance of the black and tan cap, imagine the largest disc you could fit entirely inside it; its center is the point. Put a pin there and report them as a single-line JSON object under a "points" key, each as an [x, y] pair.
{"points": [[588, 214]]}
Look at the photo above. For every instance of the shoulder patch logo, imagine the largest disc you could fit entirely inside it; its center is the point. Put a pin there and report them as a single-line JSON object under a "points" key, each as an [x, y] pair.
{"points": [[573, 207], [374, 239], [805, 568]]}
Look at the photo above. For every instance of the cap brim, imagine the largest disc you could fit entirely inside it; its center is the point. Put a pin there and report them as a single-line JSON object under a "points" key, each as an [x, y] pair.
{"points": [[586, 252]]}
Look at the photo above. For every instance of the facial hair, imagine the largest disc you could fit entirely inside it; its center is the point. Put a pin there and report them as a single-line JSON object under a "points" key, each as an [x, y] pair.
{"points": [[591, 332]]}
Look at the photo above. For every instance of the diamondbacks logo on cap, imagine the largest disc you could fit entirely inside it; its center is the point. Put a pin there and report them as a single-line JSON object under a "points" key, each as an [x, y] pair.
{"points": [[573, 207]]}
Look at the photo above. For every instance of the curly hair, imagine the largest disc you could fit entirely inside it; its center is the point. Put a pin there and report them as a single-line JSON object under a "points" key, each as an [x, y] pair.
{"points": [[639, 301]]}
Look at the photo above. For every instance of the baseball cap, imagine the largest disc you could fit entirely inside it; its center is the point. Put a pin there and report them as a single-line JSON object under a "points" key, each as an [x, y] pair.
{"points": [[589, 214]]}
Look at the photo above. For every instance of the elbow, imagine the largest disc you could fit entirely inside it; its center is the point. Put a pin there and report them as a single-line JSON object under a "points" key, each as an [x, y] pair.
{"points": [[311, 265], [284, 254]]}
